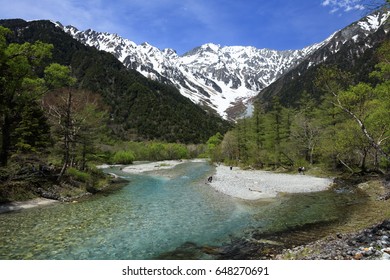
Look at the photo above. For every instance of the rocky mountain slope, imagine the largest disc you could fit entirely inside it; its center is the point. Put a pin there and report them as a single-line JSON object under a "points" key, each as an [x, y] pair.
{"points": [[210, 75], [350, 49], [224, 77]]}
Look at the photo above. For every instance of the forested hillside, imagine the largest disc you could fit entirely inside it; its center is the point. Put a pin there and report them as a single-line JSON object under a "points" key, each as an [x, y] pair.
{"points": [[140, 109]]}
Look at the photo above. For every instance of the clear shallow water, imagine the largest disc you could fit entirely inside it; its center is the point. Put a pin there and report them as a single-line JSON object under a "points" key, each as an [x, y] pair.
{"points": [[154, 215]]}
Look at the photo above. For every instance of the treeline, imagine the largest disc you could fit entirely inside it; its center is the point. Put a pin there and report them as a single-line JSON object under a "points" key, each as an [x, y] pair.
{"points": [[346, 128], [127, 152]]}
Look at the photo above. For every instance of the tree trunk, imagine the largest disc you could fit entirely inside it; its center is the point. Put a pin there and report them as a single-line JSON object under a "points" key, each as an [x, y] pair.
{"points": [[67, 129], [84, 155], [6, 140], [364, 157], [363, 128]]}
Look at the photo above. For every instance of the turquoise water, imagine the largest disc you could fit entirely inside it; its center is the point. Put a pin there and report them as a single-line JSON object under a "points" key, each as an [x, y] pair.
{"points": [[154, 215]]}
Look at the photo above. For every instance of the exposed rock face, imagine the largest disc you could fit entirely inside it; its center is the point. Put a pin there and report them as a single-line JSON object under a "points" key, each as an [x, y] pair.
{"points": [[221, 77], [210, 75]]}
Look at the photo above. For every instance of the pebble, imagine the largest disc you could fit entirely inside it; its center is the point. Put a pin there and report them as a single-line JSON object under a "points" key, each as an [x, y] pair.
{"points": [[368, 244], [385, 254]]}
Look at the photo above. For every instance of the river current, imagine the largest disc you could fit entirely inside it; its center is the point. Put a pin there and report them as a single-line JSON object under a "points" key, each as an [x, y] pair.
{"points": [[153, 215]]}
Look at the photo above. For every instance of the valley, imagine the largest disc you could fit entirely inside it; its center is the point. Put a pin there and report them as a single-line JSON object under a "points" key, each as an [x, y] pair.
{"points": [[90, 119]]}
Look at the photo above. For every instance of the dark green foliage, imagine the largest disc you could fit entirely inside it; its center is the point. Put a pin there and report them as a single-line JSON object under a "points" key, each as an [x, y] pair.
{"points": [[141, 109], [21, 87], [32, 131]]}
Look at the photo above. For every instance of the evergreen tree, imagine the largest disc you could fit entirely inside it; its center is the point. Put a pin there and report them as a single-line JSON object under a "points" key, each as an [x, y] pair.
{"points": [[77, 117], [259, 125], [32, 131], [330, 80], [275, 130], [20, 90], [242, 137]]}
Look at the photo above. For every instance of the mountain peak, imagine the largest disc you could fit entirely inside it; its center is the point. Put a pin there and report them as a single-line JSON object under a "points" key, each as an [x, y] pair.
{"points": [[211, 47], [222, 77]]}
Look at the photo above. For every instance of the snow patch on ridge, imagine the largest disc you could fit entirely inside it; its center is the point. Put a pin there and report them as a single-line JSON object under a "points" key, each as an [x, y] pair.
{"points": [[214, 75]]}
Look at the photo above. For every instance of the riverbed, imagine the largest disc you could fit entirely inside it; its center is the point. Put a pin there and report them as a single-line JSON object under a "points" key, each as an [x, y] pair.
{"points": [[158, 213]]}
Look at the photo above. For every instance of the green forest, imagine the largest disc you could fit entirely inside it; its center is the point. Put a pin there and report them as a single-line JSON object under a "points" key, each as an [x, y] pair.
{"points": [[345, 127]]}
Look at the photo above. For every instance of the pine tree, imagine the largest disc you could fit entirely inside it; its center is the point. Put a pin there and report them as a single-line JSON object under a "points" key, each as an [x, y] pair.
{"points": [[275, 129], [20, 87]]}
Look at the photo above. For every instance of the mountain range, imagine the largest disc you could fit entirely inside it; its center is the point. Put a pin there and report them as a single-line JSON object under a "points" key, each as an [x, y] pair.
{"points": [[225, 79]]}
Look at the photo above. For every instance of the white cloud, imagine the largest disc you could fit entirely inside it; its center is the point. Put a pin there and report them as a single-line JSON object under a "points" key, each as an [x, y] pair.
{"points": [[343, 5]]}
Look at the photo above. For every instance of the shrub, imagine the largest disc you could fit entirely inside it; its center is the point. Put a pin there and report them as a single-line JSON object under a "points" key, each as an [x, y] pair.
{"points": [[123, 157], [78, 175]]}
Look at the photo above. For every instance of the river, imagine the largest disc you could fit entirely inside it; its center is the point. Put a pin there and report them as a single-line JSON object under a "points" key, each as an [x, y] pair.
{"points": [[153, 215]]}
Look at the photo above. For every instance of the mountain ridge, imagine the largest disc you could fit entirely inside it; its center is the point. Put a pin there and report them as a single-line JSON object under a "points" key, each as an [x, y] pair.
{"points": [[350, 49], [210, 75], [217, 77]]}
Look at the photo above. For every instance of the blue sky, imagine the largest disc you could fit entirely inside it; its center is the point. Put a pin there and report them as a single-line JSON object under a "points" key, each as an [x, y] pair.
{"points": [[185, 24]]}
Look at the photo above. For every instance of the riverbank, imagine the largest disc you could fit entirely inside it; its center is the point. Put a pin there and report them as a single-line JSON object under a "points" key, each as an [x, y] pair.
{"points": [[372, 243], [365, 236], [155, 166], [257, 184], [142, 166], [53, 193], [70, 190]]}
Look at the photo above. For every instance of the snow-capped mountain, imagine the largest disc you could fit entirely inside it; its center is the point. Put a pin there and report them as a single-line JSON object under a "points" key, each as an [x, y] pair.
{"points": [[355, 36], [351, 50], [210, 75], [221, 77]]}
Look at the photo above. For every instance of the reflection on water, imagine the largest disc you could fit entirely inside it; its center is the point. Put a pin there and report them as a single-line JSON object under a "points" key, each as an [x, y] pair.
{"points": [[153, 215]]}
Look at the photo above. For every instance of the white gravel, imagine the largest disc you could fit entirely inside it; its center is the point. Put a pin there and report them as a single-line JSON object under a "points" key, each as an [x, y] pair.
{"points": [[254, 184], [140, 167]]}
